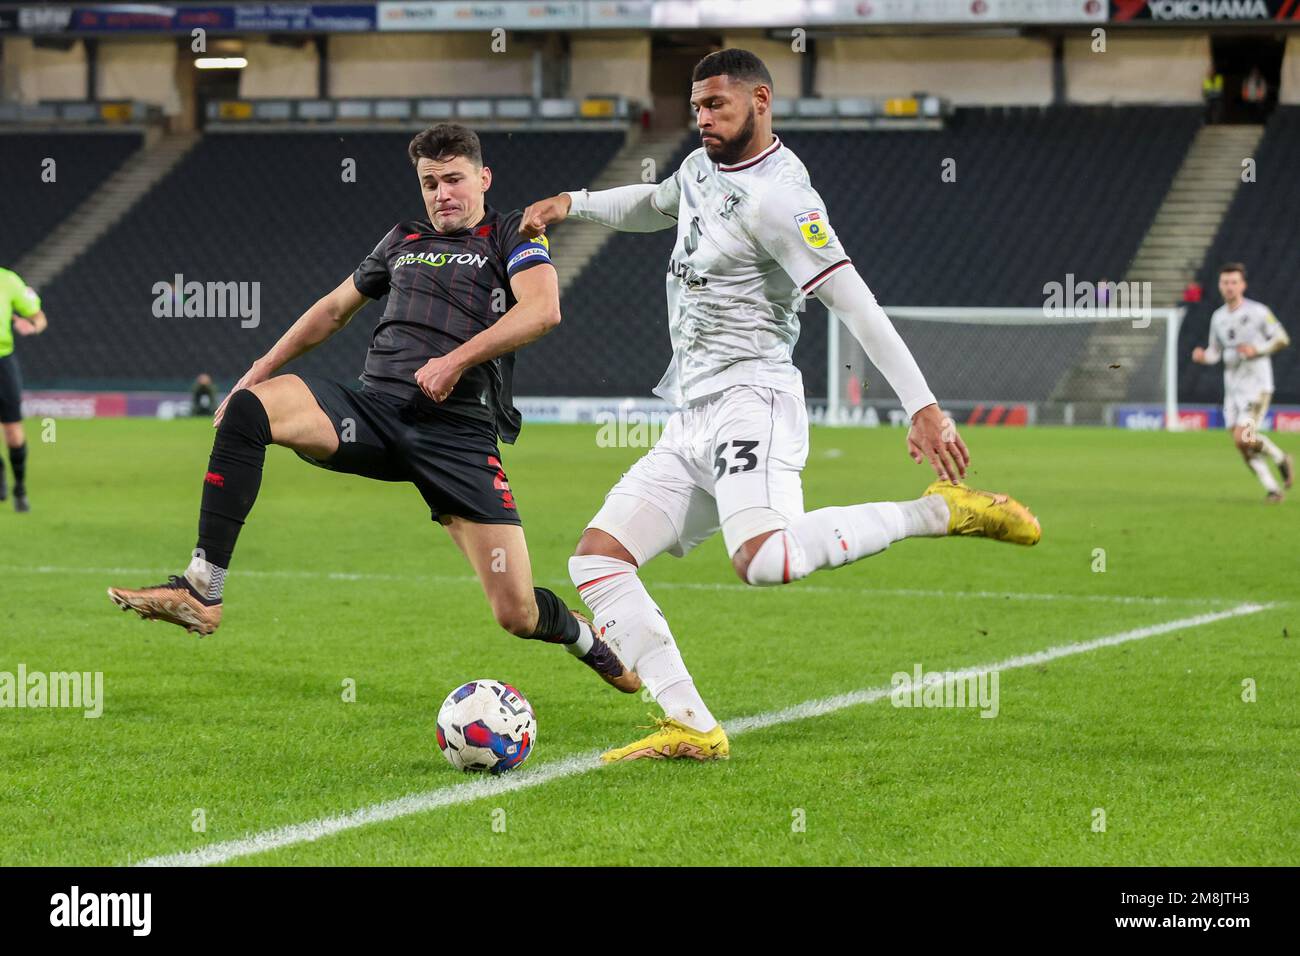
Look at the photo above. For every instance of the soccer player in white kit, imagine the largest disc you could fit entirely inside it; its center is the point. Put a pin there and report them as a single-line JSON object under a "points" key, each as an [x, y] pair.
{"points": [[1244, 334], [753, 239]]}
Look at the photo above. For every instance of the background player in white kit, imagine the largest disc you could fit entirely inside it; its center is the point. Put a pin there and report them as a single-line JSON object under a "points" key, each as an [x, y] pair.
{"points": [[753, 239], [1244, 334]]}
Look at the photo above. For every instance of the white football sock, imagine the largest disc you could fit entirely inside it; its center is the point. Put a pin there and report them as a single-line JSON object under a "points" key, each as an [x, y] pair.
{"points": [[1259, 466], [586, 638], [208, 579], [627, 618], [833, 537], [1271, 449]]}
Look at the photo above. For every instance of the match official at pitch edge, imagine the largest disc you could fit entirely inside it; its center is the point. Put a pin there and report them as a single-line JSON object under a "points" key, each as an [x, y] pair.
{"points": [[20, 314]]}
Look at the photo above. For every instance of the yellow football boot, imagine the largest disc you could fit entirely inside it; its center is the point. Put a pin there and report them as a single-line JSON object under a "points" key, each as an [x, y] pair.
{"points": [[674, 741], [985, 514]]}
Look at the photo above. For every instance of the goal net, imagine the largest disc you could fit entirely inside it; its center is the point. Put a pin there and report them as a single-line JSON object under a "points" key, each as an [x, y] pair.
{"points": [[1017, 366]]}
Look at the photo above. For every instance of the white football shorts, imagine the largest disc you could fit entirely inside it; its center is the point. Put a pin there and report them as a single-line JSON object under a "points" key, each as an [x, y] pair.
{"points": [[1241, 406], [730, 461]]}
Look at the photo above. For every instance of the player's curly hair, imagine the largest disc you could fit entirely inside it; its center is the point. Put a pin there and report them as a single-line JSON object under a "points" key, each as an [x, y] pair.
{"points": [[735, 63], [446, 141]]}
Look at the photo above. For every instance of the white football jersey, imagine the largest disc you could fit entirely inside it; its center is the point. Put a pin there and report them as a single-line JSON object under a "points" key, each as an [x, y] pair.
{"points": [[753, 240], [1254, 324]]}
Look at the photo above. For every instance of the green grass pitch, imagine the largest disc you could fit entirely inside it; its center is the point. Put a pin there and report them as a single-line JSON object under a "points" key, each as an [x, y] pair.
{"points": [[338, 578]]}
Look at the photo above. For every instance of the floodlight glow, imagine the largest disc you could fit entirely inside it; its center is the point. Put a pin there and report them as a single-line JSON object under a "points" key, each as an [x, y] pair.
{"points": [[221, 62]]}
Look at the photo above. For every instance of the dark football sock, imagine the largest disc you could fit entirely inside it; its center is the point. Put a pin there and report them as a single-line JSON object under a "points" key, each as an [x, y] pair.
{"points": [[18, 459], [234, 476], [555, 623]]}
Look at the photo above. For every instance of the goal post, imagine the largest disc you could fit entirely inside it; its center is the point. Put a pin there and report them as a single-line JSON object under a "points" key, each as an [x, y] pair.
{"points": [[996, 365]]}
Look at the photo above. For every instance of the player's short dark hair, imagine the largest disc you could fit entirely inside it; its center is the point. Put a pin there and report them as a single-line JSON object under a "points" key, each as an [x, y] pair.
{"points": [[446, 141], [737, 64], [1233, 267]]}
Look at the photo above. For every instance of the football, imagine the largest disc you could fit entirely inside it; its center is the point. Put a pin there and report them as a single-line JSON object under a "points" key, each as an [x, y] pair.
{"points": [[486, 725]]}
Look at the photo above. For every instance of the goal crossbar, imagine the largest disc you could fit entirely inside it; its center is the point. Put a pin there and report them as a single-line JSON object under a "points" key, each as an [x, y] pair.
{"points": [[1140, 318]]}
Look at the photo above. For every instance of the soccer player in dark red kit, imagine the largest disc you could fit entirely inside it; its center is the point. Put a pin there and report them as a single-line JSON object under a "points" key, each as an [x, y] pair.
{"points": [[465, 290]]}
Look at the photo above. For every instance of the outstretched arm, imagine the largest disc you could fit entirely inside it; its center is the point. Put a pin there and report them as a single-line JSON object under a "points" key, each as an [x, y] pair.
{"points": [[846, 294], [792, 225], [536, 312], [641, 207], [932, 437], [625, 208]]}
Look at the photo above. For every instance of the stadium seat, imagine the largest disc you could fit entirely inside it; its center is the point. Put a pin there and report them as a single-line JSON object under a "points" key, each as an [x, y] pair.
{"points": [[29, 205], [270, 208], [1039, 193]]}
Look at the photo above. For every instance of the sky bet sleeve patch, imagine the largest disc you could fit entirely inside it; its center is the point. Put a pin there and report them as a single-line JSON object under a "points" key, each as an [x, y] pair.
{"points": [[812, 226]]}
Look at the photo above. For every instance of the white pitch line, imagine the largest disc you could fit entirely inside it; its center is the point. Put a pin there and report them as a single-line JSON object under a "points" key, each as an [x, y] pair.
{"points": [[312, 830], [467, 579]]}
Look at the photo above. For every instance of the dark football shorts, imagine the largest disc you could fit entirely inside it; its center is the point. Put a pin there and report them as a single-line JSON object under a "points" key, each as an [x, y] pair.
{"points": [[453, 460], [11, 390]]}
